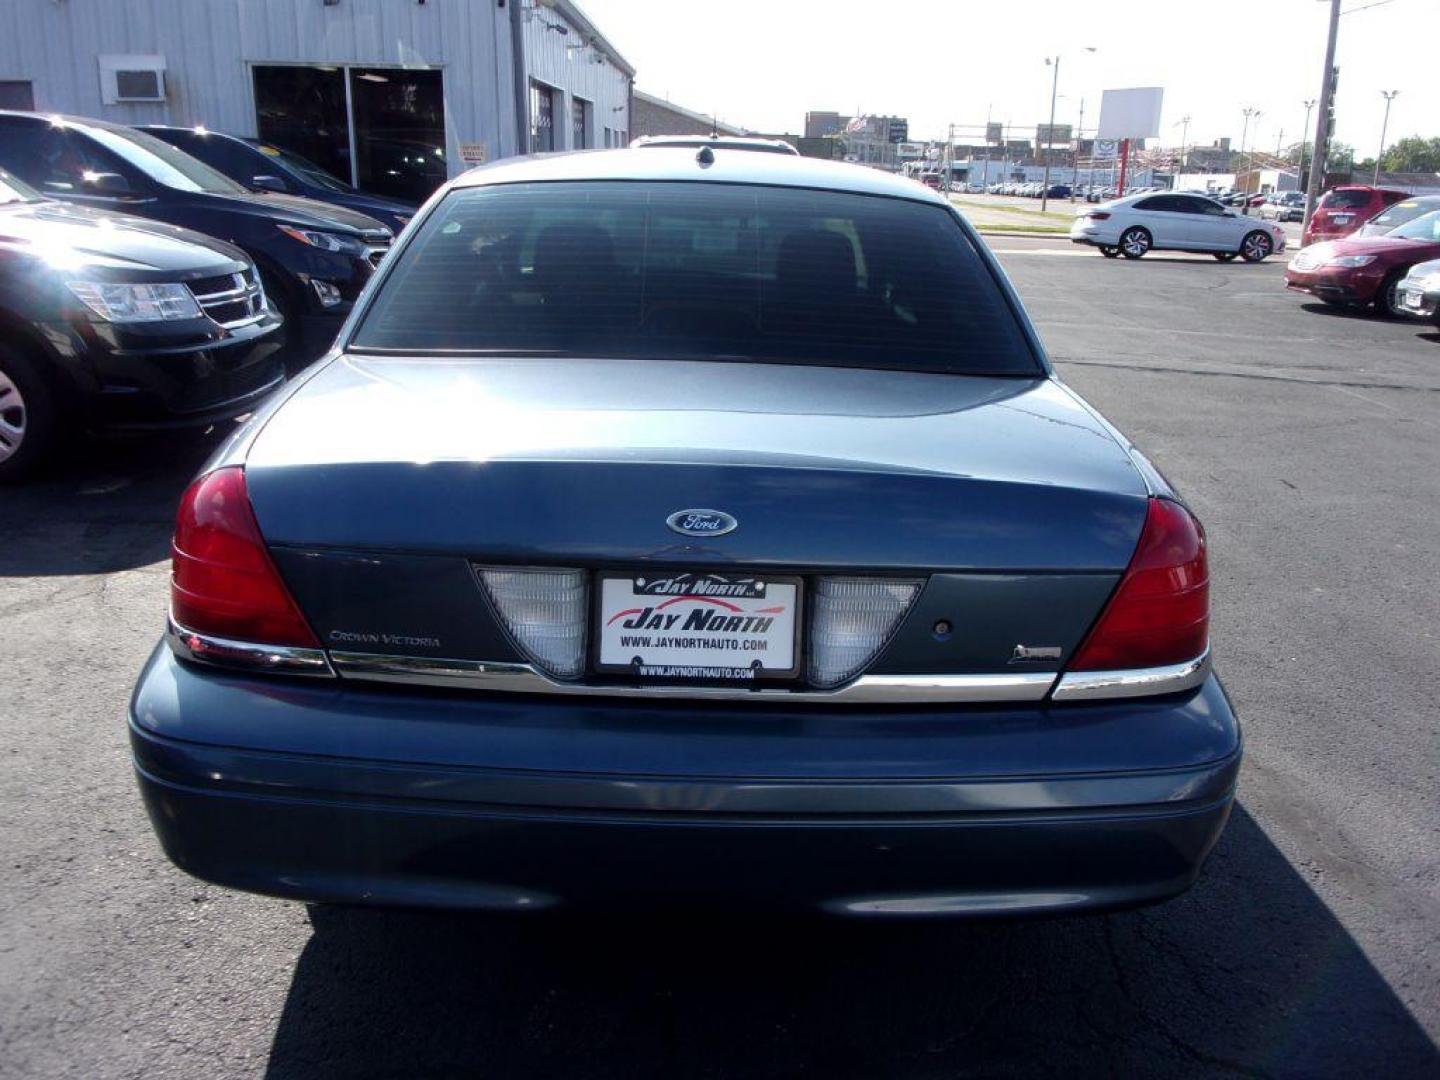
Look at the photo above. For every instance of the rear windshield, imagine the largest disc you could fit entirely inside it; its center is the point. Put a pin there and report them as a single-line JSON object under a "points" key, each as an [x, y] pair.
{"points": [[694, 270], [1345, 200]]}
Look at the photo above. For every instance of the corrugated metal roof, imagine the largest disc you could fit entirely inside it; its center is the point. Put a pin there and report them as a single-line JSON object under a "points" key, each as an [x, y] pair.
{"points": [[571, 12]]}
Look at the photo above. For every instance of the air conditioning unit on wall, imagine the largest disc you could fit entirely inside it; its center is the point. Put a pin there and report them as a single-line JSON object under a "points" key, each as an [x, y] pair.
{"points": [[131, 78]]}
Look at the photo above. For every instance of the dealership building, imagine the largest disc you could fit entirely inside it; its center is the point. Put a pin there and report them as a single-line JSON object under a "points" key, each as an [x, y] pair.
{"points": [[394, 96]]}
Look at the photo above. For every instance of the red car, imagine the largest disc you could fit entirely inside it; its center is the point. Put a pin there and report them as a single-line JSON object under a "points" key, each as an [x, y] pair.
{"points": [[1365, 270], [1344, 209]]}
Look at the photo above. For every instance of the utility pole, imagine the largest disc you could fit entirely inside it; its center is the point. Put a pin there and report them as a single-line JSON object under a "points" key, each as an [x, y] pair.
{"points": [[985, 183], [1247, 112], [1054, 85], [1309, 104], [1389, 96], [1184, 137], [1075, 157], [1322, 125]]}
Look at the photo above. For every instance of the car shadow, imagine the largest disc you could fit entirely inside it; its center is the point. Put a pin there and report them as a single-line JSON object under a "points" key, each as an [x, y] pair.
{"points": [[1249, 974], [110, 506], [1360, 312]]}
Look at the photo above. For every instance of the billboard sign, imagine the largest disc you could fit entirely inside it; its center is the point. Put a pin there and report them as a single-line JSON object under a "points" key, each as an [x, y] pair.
{"points": [[1132, 113], [994, 134], [899, 131], [1051, 134], [1106, 149]]}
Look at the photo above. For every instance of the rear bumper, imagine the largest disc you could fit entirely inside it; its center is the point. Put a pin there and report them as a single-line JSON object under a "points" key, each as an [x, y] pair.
{"points": [[493, 812], [1094, 235]]}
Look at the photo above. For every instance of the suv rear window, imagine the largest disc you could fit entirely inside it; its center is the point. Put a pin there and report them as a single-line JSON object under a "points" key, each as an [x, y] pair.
{"points": [[696, 270], [1345, 200]]}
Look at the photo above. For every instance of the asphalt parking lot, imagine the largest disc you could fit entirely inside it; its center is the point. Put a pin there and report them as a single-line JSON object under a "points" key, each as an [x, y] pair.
{"points": [[1308, 441]]}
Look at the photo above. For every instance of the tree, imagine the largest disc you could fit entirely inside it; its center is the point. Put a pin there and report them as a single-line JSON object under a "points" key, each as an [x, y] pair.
{"points": [[1340, 154], [1415, 154]]}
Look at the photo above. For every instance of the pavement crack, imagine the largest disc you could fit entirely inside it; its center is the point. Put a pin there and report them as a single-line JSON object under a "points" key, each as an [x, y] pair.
{"points": [[1142, 1006]]}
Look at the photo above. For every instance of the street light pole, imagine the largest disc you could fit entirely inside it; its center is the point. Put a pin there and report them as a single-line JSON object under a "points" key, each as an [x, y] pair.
{"points": [[1075, 154], [1054, 85], [1389, 96], [1184, 138], [1309, 104]]}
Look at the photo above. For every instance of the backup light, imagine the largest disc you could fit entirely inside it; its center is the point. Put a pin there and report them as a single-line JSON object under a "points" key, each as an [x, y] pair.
{"points": [[544, 610], [850, 620], [222, 582], [1160, 613]]}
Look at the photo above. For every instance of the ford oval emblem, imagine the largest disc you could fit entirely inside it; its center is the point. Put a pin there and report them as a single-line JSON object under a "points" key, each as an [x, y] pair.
{"points": [[702, 522]]}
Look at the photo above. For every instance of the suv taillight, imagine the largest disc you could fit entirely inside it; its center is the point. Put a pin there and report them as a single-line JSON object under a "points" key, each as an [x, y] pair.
{"points": [[222, 582], [1160, 614]]}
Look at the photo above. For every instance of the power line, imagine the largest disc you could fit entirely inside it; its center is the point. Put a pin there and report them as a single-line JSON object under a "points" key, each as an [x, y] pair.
{"points": [[1366, 7]]}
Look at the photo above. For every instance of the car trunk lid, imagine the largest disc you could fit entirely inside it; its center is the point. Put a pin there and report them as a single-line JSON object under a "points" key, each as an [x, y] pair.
{"points": [[581, 462]]}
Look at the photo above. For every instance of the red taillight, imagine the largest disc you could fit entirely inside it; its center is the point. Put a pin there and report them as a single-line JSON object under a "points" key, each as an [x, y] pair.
{"points": [[1160, 614], [1098, 215], [222, 582]]}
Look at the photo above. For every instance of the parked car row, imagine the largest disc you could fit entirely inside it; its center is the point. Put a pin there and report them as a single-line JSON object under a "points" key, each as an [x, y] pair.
{"points": [[1371, 249], [141, 287], [1031, 190], [1371, 271]]}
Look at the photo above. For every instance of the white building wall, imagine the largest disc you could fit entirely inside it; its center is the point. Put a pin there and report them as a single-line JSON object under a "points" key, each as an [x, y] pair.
{"points": [[209, 45]]}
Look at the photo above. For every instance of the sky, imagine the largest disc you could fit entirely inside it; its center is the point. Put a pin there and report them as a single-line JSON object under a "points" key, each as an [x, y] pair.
{"points": [[763, 64]]}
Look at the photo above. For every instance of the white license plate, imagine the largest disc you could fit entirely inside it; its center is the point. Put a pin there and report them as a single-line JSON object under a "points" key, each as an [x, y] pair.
{"points": [[1342, 219], [698, 625]]}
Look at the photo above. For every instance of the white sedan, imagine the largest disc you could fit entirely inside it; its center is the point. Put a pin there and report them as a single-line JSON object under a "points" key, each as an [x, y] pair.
{"points": [[1171, 221]]}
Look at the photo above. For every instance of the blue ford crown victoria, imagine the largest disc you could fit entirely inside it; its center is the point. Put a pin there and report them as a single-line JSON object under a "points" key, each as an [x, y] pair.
{"points": [[687, 527]]}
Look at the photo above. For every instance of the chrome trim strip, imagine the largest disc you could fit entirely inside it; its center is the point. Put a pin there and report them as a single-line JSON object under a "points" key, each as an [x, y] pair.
{"points": [[1139, 682], [223, 652], [525, 679], [221, 297], [247, 321]]}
